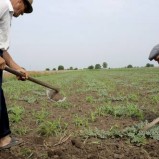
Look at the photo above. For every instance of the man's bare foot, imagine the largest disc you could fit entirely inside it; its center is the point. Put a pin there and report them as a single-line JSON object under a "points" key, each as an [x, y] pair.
{"points": [[5, 141], [8, 142]]}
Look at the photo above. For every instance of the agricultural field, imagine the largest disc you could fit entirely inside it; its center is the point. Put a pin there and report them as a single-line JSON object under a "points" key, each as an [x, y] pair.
{"points": [[102, 117]]}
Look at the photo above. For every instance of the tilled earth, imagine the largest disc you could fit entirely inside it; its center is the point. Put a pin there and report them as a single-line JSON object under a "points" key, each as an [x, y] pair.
{"points": [[75, 148], [71, 145]]}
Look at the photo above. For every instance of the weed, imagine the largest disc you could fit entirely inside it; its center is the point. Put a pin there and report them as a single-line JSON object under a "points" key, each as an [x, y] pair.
{"points": [[134, 133], [80, 121], [133, 97], [26, 152], [155, 99], [64, 104], [93, 116], [28, 99], [40, 115], [103, 93], [89, 99], [134, 111], [22, 130], [50, 128], [130, 110], [103, 110], [16, 113]]}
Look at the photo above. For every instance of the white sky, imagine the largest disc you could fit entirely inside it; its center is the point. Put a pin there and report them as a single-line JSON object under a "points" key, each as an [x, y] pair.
{"points": [[80, 33]]}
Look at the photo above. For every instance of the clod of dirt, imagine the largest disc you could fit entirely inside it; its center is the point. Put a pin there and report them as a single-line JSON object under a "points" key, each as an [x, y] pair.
{"points": [[38, 140], [90, 156], [77, 143], [54, 153]]}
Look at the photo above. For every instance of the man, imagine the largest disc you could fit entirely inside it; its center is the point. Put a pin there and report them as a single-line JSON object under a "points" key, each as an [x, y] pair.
{"points": [[9, 8], [154, 54]]}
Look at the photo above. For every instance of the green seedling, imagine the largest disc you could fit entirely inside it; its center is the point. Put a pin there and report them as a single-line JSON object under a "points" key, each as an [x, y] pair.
{"points": [[80, 121], [21, 131], [155, 99], [93, 116], [41, 115], [64, 104], [89, 99], [15, 113], [26, 152], [133, 97], [130, 110], [51, 128]]}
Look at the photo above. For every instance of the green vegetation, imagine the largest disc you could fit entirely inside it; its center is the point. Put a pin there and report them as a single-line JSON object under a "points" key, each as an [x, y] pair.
{"points": [[16, 113], [50, 128], [60, 67], [122, 96], [134, 134]]}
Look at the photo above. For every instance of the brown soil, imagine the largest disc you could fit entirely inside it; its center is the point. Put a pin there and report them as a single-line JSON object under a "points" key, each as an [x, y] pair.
{"points": [[71, 145]]}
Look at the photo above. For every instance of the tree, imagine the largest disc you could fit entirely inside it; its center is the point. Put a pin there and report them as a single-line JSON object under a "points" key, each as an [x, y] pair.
{"points": [[97, 66], [91, 67], [54, 69], [60, 67], [71, 68], [105, 65], [47, 69], [129, 66], [149, 65]]}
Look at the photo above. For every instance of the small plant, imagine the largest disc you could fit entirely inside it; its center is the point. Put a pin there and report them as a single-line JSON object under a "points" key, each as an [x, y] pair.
{"points": [[26, 152], [93, 116], [40, 115], [50, 128], [128, 111], [134, 133], [155, 99], [64, 104], [104, 110], [28, 99], [89, 99], [22, 130], [80, 121], [15, 113], [134, 111], [133, 97]]}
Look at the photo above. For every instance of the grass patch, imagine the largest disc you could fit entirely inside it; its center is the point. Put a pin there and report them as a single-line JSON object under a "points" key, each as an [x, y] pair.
{"points": [[130, 110], [133, 134], [51, 128], [15, 114]]}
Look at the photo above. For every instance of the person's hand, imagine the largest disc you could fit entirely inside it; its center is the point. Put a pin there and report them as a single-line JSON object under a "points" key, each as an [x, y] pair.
{"points": [[24, 73], [2, 63]]}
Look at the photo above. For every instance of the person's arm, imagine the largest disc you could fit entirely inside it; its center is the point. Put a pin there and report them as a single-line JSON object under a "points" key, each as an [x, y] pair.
{"points": [[2, 63], [12, 64]]}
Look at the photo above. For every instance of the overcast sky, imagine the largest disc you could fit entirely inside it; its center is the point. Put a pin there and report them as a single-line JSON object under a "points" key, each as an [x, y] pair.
{"points": [[80, 33]]}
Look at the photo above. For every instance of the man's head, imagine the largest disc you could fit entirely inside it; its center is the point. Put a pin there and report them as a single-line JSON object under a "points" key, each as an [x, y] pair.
{"points": [[21, 6], [154, 54]]}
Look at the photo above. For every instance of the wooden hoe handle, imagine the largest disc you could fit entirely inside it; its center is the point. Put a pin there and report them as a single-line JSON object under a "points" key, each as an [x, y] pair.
{"points": [[10, 70]]}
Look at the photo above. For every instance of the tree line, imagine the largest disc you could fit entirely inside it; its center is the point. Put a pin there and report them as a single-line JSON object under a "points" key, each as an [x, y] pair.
{"points": [[104, 65]]}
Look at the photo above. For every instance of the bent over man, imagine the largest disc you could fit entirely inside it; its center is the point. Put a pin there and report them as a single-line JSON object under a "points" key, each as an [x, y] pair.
{"points": [[9, 8]]}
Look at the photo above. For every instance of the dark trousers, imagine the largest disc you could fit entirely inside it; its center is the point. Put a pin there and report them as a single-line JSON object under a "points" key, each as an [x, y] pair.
{"points": [[4, 121]]}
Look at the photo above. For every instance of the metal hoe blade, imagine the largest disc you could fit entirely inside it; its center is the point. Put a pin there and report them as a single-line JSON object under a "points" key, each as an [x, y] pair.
{"points": [[54, 96]]}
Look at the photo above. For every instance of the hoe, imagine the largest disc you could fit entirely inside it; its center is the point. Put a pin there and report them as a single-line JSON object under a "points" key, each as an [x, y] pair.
{"points": [[53, 92]]}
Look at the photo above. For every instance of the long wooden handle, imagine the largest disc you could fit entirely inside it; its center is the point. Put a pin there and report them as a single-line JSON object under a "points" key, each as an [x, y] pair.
{"points": [[10, 70]]}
